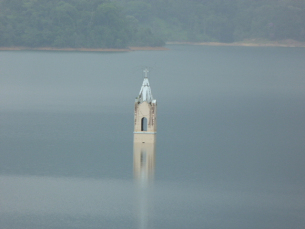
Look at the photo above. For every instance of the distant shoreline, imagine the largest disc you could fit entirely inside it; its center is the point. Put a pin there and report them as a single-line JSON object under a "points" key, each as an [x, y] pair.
{"points": [[247, 43], [83, 49]]}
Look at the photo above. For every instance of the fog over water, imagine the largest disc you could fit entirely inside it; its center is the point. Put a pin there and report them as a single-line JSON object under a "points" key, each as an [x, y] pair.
{"points": [[230, 143]]}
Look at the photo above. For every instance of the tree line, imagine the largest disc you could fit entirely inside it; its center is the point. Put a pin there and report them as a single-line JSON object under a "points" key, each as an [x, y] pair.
{"points": [[220, 20], [70, 23], [123, 23]]}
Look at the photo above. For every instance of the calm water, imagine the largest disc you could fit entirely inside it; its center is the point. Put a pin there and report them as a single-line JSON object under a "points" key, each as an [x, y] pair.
{"points": [[230, 144]]}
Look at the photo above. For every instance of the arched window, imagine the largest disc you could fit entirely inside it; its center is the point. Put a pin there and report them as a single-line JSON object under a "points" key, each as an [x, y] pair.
{"points": [[144, 124]]}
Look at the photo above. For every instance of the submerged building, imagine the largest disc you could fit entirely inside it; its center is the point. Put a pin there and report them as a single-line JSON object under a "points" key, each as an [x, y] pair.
{"points": [[145, 130]]}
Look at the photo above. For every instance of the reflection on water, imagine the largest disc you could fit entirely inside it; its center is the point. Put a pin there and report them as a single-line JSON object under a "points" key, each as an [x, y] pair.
{"points": [[144, 168], [144, 203], [144, 161]]}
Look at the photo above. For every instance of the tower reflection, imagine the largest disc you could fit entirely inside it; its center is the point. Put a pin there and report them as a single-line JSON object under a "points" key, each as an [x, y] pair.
{"points": [[144, 160]]}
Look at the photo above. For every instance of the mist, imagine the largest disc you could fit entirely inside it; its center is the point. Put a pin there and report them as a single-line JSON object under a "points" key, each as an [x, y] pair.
{"points": [[229, 150]]}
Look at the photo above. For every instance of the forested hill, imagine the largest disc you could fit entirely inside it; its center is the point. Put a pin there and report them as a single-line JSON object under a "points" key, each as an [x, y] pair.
{"points": [[123, 23], [70, 23], [220, 20]]}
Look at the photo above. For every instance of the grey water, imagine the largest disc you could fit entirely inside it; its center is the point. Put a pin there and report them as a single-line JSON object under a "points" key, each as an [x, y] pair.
{"points": [[230, 149]]}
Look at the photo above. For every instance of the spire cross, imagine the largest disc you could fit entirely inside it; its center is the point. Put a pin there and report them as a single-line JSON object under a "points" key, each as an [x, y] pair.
{"points": [[145, 72]]}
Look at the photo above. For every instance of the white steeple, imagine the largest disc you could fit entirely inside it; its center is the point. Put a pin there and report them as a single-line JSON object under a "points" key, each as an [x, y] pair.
{"points": [[145, 92]]}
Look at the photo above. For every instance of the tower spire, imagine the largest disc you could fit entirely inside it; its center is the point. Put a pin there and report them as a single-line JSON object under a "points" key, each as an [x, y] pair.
{"points": [[145, 92]]}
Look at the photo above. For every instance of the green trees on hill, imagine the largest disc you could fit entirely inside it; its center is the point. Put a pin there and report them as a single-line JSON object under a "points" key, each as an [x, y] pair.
{"points": [[69, 23], [271, 19], [122, 23], [220, 20]]}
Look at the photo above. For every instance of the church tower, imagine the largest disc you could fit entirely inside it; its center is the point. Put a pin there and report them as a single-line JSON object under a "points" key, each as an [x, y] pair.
{"points": [[145, 130], [145, 114]]}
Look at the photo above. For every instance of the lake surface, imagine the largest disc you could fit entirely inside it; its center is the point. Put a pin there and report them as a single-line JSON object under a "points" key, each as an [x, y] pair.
{"points": [[230, 147]]}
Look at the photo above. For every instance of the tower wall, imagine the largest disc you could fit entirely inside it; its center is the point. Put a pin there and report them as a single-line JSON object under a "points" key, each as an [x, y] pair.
{"points": [[144, 138], [148, 111]]}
